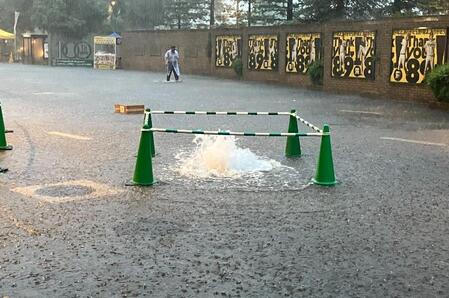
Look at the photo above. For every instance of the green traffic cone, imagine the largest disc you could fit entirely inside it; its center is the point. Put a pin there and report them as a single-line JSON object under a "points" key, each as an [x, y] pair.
{"points": [[325, 166], [143, 173], [3, 144], [150, 124], [293, 147]]}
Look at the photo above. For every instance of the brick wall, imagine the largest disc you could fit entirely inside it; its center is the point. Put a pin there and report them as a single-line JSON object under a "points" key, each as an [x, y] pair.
{"points": [[143, 50]]}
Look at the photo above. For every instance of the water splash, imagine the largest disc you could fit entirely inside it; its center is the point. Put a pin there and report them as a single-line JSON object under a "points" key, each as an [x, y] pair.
{"points": [[219, 156]]}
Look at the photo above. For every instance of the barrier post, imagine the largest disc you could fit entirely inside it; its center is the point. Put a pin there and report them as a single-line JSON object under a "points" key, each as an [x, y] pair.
{"points": [[293, 147], [150, 124], [143, 173], [3, 144], [325, 166]]}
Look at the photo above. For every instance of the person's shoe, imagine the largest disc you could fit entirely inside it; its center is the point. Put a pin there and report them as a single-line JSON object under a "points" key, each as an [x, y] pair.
{"points": [[2, 170]]}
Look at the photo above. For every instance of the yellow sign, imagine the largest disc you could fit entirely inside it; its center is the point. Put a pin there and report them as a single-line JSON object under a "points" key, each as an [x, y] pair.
{"points": [[263, 52], [414, 52], [353, 54], [104, 40], [227, 49], [302, 49]]}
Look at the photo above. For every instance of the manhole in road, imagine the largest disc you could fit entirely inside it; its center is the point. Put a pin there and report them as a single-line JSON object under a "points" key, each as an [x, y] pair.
{"points": [[68, 191], [58, 191]]}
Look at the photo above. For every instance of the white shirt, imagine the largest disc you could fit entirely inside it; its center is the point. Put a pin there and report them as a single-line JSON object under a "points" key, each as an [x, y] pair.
{"points": [[171, 57]]}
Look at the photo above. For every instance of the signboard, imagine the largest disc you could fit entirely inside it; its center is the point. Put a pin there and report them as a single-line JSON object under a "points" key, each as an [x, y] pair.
{"points": [[263, 52], [414, 52], [73, 62], [353, 55], [105, 52], [302, 49], [227, 49], [46, 50], [105, 40]]}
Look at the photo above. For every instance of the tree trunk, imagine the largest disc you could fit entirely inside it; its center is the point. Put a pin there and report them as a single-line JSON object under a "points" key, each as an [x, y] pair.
{"points": [[237, 13], [289, 10], [396, 7], [212, 13], [339, 9], [249, 13]]}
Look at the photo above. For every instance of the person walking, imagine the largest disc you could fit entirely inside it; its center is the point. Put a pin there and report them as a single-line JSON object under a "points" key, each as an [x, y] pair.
{"points": [[172, 63]]}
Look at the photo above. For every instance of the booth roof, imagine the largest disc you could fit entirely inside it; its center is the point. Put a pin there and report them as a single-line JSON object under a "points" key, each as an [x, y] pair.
{"points": [[115, 34], [6, 35]]}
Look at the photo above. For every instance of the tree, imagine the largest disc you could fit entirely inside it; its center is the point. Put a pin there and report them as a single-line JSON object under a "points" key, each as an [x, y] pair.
{"points": [[365, 9], [318, 10], [8, 7], [325, 10], [142, 14], [71, 18], [433, 7], [289, 10], [399, 7], [268, 12], [212, 13], [186, 13], [224, 12]]}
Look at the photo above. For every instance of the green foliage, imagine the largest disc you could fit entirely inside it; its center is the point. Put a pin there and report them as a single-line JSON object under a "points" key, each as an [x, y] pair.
{"points": [[71, 18], [237, 65], [80, 17], [434, 6], [438, 80], [268, 12], [142, 14], [186, 13], [316, 72], [7, 9]]}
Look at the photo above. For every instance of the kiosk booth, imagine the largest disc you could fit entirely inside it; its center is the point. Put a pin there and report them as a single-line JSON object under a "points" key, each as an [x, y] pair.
{"points": [[34, 48], [106, 51]]}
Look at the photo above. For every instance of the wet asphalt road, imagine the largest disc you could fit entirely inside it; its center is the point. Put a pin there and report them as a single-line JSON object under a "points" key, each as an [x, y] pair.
{"points": [[382, 232]]}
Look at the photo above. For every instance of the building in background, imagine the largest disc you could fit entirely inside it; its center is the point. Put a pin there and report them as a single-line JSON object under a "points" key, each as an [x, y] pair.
{"points": [[34, 48]]}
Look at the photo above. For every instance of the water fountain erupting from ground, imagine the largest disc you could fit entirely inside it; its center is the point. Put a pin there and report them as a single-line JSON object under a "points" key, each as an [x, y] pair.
{"points": [[219, 156]]}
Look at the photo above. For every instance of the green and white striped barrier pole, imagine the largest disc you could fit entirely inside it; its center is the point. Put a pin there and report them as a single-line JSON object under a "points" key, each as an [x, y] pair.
{"points": [[234, 133], [149, 111]]}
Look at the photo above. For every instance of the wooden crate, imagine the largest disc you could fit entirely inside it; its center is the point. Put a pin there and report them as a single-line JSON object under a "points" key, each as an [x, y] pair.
{"points": [[129, 109]]}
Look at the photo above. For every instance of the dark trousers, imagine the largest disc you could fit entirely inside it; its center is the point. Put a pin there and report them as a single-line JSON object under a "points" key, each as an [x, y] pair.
{"points": [[171, 69]]}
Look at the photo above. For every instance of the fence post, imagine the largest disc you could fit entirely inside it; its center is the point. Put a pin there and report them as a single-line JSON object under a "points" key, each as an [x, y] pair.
{"points": [[143, 173], [150, 124], [3, 144], [325, 166], [293, 147]]}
